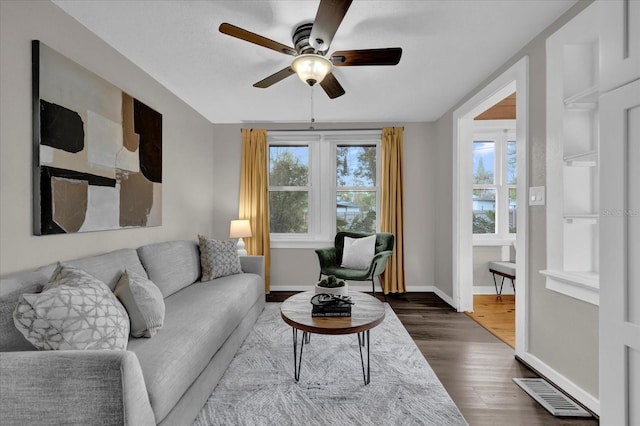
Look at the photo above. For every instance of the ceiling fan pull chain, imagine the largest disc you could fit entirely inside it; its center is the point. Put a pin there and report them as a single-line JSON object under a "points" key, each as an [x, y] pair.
{"points": [[313, 120]]}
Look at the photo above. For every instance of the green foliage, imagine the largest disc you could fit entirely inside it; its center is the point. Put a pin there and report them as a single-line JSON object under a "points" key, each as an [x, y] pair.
{"points": [[484, 222], [288, 209], [482, 175], [331, 282], [286, 170]]}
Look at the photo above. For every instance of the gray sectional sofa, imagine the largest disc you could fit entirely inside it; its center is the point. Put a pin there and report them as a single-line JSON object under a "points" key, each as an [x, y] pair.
{"points": [[165, 379]]}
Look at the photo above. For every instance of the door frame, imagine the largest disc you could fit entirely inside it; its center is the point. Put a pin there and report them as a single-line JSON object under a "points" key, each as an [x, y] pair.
{"points": [[516, 78]]}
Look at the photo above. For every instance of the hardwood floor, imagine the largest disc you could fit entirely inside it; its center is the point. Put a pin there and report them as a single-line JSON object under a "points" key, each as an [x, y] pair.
{"points": [[497, 314], [474, 366]]}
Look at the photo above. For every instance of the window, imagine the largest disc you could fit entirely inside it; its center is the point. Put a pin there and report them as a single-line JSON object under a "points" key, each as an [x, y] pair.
{"points": [[356, 192], [311, 170], [494, 183], [289, 189]]}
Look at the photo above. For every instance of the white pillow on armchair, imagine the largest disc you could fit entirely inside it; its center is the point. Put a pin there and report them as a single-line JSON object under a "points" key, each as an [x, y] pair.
{"points": [[358, 252]]}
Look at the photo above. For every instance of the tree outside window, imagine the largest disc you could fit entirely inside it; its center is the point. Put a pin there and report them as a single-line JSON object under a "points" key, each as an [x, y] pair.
{"points": [[322, 182], [288, 189], [356, 195], [494, 183]]}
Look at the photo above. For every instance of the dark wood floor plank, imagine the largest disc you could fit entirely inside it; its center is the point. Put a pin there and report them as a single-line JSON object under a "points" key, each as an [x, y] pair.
{"points": [[474, 366]]}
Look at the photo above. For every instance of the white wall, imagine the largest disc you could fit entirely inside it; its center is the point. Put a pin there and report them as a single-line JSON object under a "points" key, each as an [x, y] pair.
{"points": [[187, 142], [482, 278], [299, 268], [563, 332]]}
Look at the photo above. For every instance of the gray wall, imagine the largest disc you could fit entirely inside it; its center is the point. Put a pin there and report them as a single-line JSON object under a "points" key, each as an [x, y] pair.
{"points": [[563, 332], [482, 278], [299, 267], [187, 142]]}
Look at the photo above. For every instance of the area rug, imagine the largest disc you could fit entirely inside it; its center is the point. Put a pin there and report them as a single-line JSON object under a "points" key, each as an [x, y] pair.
{"points": [[258, 387]]}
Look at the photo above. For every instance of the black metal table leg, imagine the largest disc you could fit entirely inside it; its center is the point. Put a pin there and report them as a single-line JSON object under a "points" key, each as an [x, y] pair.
{"points": [[297, 359], [363, 340]]}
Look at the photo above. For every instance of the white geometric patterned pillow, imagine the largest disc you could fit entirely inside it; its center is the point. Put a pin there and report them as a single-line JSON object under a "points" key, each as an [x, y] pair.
{"points": [[74, 311], [218, 258]]}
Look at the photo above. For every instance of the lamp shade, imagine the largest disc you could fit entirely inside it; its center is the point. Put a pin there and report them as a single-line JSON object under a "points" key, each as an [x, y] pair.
{"points": [[311, 68], [239, 229]]}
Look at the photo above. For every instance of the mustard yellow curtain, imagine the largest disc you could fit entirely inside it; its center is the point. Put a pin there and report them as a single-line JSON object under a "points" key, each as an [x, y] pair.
{"points": [[391, 219], [254, 195]]}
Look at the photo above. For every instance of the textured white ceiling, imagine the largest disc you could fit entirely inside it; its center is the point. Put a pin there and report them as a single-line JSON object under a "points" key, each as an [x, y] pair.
{"points": [[449, 47]]}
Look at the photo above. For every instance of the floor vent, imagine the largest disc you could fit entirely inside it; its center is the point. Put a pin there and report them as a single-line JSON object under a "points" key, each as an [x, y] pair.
{"points": [[551, 398]]}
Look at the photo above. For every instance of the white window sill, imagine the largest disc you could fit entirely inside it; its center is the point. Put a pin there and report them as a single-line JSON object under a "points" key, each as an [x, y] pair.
{"points": [[583, 286], [300, 244], [493, 241]]}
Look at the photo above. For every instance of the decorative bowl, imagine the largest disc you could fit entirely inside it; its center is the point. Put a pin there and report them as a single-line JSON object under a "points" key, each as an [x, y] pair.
{"points": [[341, 291]]}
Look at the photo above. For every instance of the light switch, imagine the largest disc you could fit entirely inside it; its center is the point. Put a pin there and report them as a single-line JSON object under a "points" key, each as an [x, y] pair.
{"points": [[536, 196]]}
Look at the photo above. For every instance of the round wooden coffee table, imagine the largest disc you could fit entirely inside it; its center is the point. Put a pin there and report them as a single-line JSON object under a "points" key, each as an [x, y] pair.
{"points": [[366, 313]]}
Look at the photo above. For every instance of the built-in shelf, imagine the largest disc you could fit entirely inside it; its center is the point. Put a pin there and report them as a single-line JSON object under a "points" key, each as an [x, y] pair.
{"points": [[584, 100], [573, 159], [586, 159], [585, 219]]}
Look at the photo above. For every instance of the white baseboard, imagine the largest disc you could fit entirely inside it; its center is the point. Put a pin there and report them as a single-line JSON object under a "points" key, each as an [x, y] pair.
{"points": [[364, 286], [486, 289], [442, 295], [573, 390]]}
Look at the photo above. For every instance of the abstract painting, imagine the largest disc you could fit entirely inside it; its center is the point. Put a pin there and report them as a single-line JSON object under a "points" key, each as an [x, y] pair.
{"points": [[97, 151]]}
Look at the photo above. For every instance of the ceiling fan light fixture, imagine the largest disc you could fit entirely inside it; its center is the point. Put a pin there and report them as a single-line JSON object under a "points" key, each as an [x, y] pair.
{"points": [[311, 68]]}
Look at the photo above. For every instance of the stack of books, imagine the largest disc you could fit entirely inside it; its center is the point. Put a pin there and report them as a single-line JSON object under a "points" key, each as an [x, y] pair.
{"points": [[333, 308]]}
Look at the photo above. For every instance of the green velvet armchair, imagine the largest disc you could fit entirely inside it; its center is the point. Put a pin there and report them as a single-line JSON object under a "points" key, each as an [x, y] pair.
{"points": [[331, 258]]}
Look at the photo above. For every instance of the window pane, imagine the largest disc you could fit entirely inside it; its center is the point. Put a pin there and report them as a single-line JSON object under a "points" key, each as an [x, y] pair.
{"points": [[483, 160], [356, 211], [288, 165], [356, 165], [484, 211], [288, 212], [512, 211], [512, 171]]}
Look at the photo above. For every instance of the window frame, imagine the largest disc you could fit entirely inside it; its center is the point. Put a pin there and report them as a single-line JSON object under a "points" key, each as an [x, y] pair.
{"points": [[501, 132], [322, 180]]}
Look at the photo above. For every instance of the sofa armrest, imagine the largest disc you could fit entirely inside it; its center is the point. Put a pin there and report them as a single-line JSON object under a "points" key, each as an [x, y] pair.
{"points": [[73, 388], [253, 265]]}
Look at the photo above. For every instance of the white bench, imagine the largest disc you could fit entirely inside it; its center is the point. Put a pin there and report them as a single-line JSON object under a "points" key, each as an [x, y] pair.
{"points": [[505, 270]]}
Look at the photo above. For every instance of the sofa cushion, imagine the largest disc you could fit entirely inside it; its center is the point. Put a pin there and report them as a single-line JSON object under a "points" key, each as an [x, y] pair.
{"points": [[109, 267], [11, 288], [198, 320], [171, 265], [74, 311], [218, 258], [144, 303]]}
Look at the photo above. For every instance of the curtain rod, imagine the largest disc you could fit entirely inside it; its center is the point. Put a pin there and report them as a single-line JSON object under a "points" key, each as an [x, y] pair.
{"points": [[327, 130]]}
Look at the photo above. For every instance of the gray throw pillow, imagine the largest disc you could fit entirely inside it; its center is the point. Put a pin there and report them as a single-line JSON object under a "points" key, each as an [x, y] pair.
{"points": [[218, 258], [74, 311], [144, 303]]}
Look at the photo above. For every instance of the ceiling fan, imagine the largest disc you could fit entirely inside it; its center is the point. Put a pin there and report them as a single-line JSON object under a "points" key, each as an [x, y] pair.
{"points": [[312, 41]]}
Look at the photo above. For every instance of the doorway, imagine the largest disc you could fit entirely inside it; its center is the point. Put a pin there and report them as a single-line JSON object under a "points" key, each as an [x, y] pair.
{"points": [[515, 79]]}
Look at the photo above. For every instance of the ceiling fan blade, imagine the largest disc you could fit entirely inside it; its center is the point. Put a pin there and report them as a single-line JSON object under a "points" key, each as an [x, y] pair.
{"points": [[328, 18], [346, 58], [274, 78], [254, 38], [331, 86]]}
